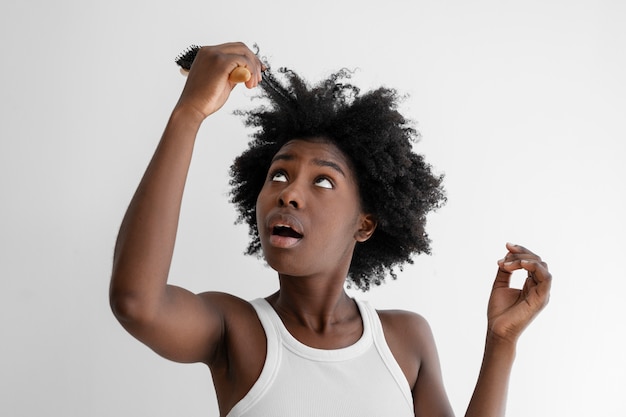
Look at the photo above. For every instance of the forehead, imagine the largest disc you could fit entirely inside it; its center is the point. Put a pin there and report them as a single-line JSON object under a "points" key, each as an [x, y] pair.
{"points": [[318, 150]]}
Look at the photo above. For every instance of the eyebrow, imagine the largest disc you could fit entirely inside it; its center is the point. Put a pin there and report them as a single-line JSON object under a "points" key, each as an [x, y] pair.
{"points": [[316, 161]]}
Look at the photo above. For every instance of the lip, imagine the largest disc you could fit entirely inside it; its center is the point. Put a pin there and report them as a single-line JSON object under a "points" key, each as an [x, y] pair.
{"points": [[284, 219]]}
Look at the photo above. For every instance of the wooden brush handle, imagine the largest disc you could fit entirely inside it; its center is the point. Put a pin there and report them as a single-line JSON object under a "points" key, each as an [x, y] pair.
{"points": [[240, 75]]}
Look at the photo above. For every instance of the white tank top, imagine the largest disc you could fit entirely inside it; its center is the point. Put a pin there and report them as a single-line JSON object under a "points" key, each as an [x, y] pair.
{"points": [[360, 380]]}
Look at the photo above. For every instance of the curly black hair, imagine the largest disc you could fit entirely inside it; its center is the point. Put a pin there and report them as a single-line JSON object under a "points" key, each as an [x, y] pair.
{"points": [[396, 185]]}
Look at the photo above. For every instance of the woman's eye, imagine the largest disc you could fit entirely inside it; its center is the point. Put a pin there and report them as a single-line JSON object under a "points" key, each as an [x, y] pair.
{"points": [[323, 182], [279, 177]]}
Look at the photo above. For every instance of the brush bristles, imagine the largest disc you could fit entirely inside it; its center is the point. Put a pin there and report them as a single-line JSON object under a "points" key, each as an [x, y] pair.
{"points": [[185, 59]]}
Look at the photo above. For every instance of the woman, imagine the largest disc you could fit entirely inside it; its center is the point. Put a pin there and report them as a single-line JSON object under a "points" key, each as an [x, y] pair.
{"points": [[332, 191]]}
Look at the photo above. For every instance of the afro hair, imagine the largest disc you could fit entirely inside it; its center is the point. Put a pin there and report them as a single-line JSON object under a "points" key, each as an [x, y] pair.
{"points": [[395, 184]]}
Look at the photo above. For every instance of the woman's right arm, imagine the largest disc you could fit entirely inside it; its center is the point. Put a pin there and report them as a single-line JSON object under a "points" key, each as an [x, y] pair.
{"points": [[174, 322]]}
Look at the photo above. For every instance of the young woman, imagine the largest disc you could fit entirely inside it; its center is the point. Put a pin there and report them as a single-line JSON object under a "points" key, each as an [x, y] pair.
{"points": [[331, 190]]}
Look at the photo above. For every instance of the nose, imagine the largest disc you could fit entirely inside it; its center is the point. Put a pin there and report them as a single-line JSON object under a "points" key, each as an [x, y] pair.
{"points": [[291, 196]]}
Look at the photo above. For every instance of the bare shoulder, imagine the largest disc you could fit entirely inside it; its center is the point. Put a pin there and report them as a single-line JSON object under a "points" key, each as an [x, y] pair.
{"points": [[404, 323], [409, 337], [411, 341]]}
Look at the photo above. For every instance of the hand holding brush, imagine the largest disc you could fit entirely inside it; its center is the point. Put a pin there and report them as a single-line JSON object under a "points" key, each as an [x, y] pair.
{"points": [[238, 75], [213, 71]]}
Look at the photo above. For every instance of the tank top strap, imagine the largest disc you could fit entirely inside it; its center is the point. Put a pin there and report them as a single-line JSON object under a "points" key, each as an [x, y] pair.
{"points": [[383, 349]]}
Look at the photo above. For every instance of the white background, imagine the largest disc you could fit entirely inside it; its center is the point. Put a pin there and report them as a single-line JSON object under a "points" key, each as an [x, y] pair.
{"points": [[521, 105]]}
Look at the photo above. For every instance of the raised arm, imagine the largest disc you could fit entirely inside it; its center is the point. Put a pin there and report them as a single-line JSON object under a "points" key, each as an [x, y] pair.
{"points": [[174, 322], [510, 311]]}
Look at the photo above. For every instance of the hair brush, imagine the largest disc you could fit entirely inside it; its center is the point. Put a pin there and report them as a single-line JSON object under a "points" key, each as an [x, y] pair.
{"points": [[185, 59]]}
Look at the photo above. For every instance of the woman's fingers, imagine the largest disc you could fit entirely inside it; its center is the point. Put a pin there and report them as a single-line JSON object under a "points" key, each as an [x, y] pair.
{"points": [[512, 260], [244, 59]]}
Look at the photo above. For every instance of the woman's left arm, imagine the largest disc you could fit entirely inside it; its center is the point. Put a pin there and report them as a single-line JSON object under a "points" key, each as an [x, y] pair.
{"points": [[510, 311]]}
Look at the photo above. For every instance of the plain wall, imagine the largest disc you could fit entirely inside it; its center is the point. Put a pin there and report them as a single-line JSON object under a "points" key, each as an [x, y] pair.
{"points": [[520, 104]]}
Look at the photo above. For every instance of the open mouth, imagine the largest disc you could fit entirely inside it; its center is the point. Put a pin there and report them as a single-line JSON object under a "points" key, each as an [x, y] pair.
{"points": [[285, 231]]}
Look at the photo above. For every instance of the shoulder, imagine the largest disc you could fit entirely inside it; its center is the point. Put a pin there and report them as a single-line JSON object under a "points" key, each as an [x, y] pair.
{"points": [[406, 323], [411, 341], [409, 338]]}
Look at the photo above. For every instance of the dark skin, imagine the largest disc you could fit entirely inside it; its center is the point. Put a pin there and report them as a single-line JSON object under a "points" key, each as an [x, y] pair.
{"points": [[311, 189]]}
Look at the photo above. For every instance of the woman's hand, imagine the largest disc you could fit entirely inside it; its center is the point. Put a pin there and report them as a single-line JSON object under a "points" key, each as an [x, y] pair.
{"points": [[511, 310], [208, 86]]}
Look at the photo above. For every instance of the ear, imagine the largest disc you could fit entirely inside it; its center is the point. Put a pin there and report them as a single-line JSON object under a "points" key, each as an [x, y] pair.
{"points": [[366, 228]]}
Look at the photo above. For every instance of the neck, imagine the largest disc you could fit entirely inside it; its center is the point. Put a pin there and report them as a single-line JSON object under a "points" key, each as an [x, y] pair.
{"points": [[313, 303]]}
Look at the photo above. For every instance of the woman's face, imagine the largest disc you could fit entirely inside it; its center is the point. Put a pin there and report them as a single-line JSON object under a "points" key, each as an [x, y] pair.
{"points": [[308, 212]]}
